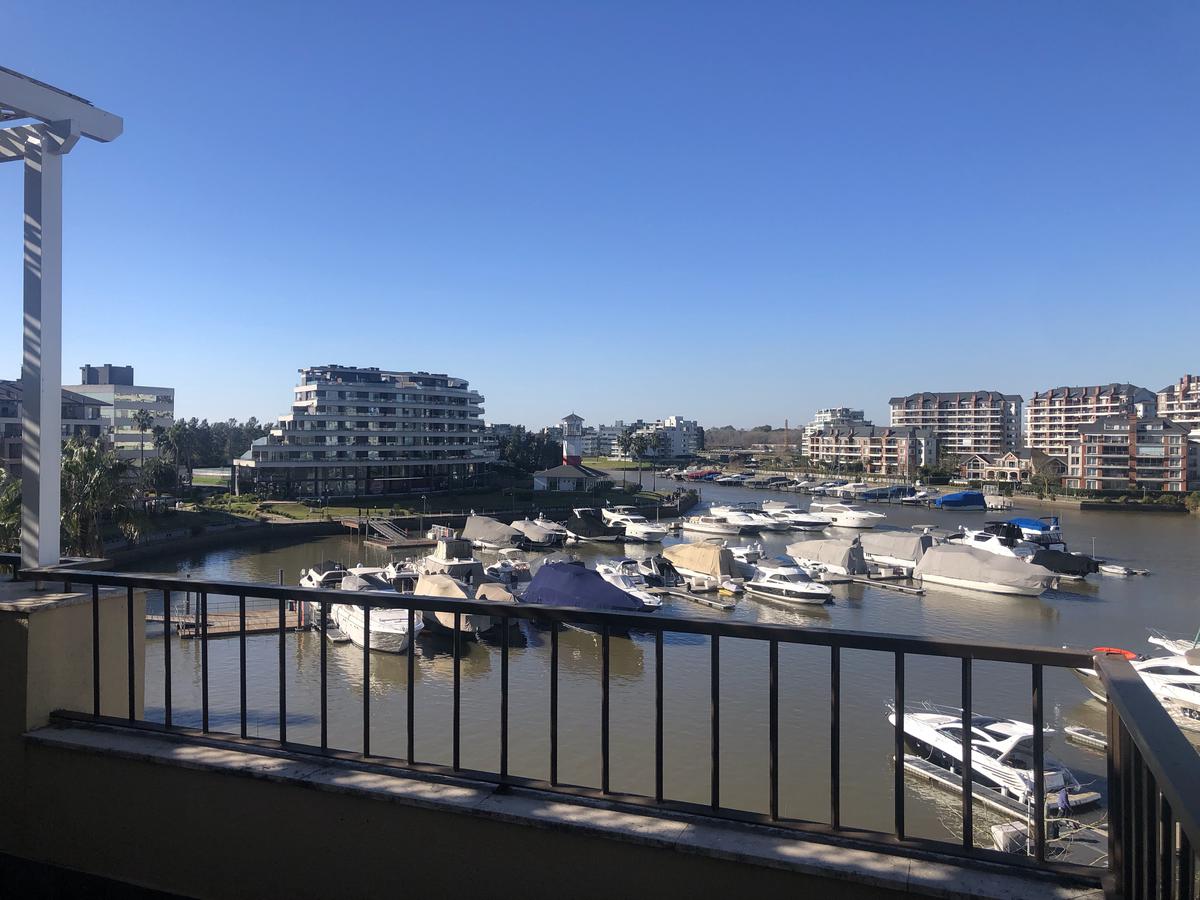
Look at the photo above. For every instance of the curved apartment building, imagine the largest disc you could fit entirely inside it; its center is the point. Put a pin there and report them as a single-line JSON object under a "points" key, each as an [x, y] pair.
{"points": [[357, 431]]}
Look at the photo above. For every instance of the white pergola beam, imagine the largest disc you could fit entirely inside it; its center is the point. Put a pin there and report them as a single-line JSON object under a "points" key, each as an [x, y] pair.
{"points": [[40, 101]]}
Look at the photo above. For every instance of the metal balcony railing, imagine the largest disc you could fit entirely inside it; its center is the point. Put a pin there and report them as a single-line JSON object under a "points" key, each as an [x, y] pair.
{"points": [[611, 626]]}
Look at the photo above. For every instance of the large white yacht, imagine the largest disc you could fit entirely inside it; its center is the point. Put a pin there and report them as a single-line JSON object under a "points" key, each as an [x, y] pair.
{"points": [[326, 574], [1001, 750], [624, 574], [785, 581], [749, 516], [1000, 545], [638, 527], [710, 525], [1172, 679], [799, 519], [389, 627], [845, 515]]}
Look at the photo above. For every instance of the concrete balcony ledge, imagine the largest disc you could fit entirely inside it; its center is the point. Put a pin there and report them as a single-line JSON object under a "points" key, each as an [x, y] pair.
{"points": [[562, 839]]}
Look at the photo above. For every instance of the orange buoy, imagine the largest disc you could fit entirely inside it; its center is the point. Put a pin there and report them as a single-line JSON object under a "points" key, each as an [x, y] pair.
{"points": [[1125, 653]]}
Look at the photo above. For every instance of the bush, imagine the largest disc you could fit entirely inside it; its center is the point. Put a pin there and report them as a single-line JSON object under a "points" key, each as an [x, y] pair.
{"points": [[1193, 501]]}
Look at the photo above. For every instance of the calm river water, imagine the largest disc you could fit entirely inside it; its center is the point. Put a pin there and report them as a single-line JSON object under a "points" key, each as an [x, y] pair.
{"points": [[1104, 611]]}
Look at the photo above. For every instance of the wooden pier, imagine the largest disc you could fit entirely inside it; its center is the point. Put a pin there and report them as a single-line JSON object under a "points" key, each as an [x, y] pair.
{"points": [[695, 598], [227, 624], [385, 533]]}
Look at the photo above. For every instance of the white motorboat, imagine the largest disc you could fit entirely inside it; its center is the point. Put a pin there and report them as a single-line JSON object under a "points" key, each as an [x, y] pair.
{"points": [[958, 566], [510, 569], [845, 515], [745, 557], [999, 545], [710, 525], [1174, 680], [1174, 646], [659, 572], [389, 627], [1115, 569], [782, 580], [749, 516], [770, 506], [798, 519], [327, 574], [639, 528], [550, 525], [1001, 750], [624, 574], [745, 522], [611, 513]]}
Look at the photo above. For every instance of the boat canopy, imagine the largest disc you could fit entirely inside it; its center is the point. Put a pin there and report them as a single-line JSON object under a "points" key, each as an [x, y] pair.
{"points": [[1035, 524], [961, 500], [441, 586], [566, 584], [486, 530], [980, 566], [847, 554], [534, 532], [704, 557], [495, 591], [352, 582], [897, 544], [1066, 563]]}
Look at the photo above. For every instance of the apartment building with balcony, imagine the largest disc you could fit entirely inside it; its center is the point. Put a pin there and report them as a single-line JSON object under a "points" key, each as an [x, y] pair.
{"points": [[355, 431], [1117, 453], [81, 417], [964, 422], [673, 437], [1053, 418], [878, 449], [121, 399], [1180, 402], [835, 415]]}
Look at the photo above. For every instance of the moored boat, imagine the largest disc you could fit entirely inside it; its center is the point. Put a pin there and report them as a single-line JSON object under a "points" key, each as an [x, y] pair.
{"points": [[966, 567]]}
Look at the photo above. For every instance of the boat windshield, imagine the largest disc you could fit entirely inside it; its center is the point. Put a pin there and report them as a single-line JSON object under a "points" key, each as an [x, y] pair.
{"points": [[797, 577]]}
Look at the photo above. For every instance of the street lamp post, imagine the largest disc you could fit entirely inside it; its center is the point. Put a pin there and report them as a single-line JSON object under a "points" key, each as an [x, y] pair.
{"points": [[424, 512]]}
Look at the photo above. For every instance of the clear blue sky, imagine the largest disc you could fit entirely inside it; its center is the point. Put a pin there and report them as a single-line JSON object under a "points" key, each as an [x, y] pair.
{"points": [[733, 212]]}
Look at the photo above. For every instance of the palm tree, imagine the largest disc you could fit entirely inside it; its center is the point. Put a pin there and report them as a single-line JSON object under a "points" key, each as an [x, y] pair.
{"points": [[10, 511], [638, 447], [143, 421], [95, 487]]}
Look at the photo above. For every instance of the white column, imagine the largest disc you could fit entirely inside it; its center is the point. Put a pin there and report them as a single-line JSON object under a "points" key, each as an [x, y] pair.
{"points": [[41, 366]]}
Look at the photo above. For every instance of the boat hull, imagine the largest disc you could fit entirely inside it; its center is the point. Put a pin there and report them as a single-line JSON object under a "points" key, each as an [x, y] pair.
{"points": [[809, 598], [987, 587], [384, 637]]}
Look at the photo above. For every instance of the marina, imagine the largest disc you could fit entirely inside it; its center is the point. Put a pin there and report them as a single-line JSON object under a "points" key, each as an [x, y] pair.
{"points": [[1108, 612]]}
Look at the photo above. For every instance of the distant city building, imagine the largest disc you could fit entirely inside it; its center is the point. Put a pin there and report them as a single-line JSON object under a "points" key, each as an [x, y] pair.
{"points": [[1053, 417], [672, 437], [81, 417], [356, 431], [1180, 402], [572, 475], [1015, 466], [1117, 453], [114, 387], [879, 449], [964, 422], [835, 415]]}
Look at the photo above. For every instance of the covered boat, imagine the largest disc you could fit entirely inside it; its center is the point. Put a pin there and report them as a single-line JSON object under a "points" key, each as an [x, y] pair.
{"points": [[966, 567], [895, 548], [961, 500], [451, 588], [571, 584], [1068, 565], [712, 564], [388, 627], [838, 555], [536, 535], [486, 532]]}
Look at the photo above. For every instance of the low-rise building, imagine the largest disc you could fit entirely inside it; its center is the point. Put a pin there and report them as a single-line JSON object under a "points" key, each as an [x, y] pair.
{"points": [[1133, 454], [1053, 417], [878, 449], [1013, 467], [964, 422], [572, 475], [81, 417], [835, 415], [114, 387], [1180, 402], [356, 431]]}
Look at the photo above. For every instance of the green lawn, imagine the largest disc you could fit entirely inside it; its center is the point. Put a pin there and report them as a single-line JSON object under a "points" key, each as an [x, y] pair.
{"points": [[210, 480]]}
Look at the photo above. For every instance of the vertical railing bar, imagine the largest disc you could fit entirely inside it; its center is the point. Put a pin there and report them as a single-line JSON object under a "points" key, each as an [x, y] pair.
{"points": [[835, 736], [1166, 848], [242, 660], [1186, 867], [605, 640], [1039, 766], [1129, 760], [1137, 856], [1150, 808], [411, 687], [366, 688], [457, 698], [282, 672], [554, 704], [167, 658], [773, 727], [968, 771], [504, 699], [1116, 838], [130, 672], [658, 716], [324, 675], [203, 606], [898, 741], [715, 715], [95, 649]]}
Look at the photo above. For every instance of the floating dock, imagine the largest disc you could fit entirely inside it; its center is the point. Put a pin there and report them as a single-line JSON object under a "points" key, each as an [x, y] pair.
{"points": [[1086, 737], [944, 778], [695, 598], [227, 624], [385, 533]]}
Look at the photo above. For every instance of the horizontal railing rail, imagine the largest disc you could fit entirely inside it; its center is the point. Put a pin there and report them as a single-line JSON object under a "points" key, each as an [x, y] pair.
{"points": [[1153, 788], [607, 625]]}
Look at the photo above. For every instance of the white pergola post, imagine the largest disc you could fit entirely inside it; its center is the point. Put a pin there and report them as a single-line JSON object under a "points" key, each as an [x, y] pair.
{"points": [[40, 147], [41, 356]]}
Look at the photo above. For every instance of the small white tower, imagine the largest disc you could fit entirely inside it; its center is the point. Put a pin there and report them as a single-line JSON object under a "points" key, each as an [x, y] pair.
{"points": [[572, 440]]}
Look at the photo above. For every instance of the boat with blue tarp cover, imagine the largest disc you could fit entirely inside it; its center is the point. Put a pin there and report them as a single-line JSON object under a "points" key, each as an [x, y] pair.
{"points": [[961, 500], [571, 584]]}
